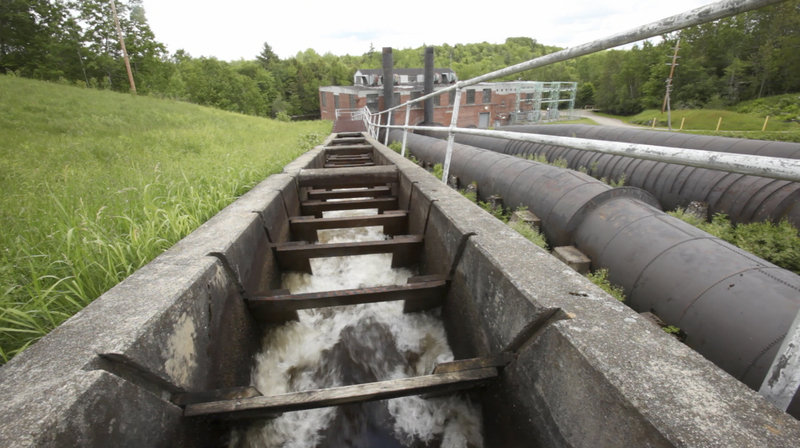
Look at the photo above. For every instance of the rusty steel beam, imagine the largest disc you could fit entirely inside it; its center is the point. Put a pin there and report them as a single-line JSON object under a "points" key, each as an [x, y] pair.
{"points": [[317, 207], [426, 295], [405, 250], [304, 228], [341, 194]]}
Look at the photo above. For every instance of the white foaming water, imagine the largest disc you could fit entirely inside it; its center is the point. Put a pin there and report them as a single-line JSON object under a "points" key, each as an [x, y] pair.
{"points": [[352, 344]]}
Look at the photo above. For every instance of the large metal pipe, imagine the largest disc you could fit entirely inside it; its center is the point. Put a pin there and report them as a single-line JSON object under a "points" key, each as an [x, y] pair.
{"points": [[787, 150], [744, 198], [734, 307]]}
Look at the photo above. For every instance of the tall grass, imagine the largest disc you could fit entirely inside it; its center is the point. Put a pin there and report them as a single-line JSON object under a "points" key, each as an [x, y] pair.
{"points": [[96, 184]]}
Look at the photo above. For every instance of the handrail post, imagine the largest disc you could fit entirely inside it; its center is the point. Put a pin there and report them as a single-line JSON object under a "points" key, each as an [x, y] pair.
{"points": [[388, 123], [405, 130], [451, 136]]}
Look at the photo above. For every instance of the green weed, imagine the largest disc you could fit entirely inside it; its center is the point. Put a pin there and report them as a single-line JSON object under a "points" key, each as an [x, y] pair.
{"points": [[437, 171], [530, 233], [396, 146], [600, 278]]}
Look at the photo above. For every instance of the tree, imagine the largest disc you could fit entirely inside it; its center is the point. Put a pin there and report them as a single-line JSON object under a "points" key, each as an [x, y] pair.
{"points": [[25, 34], [267, 57], [585, 95]]}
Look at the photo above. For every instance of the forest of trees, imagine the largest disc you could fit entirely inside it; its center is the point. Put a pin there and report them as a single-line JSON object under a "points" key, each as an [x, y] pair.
{"points": [[748, 56]]}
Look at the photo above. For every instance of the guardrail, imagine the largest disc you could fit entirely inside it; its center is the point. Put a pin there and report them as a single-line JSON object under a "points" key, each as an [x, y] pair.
{"points": [[784, 169], [352, 114], [782, 382]]}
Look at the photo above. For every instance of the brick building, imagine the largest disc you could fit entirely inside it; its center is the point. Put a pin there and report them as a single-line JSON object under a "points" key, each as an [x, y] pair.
{"points": [[482, 105]]}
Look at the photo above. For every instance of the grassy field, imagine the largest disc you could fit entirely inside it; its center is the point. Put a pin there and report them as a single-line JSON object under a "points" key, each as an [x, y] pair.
{"points": [[707, 119], [734, 122], [95, 184]]}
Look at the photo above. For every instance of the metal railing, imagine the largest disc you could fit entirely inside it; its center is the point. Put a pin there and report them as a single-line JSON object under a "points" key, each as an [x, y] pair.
{"points": [[351, 114], [773, 167], [781, 383]]}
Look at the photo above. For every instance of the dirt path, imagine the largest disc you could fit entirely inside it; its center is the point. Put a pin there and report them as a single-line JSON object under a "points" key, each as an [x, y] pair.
{"points": [[603, 121]]}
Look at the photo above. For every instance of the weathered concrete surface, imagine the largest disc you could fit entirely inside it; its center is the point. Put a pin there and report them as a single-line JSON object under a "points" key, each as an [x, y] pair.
{"points": [[105, 376], [68, 413], [589, 370]]}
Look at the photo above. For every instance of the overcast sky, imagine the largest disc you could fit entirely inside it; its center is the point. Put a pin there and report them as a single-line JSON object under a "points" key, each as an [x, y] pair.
{"points": [[237, 29]]}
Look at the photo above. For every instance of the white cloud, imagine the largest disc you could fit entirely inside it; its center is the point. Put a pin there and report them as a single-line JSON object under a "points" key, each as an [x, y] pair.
{"points": [[234, 29]]}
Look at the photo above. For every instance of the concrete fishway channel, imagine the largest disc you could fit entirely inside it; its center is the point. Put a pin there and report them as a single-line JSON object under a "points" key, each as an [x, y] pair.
{"points": [[295, 317]]}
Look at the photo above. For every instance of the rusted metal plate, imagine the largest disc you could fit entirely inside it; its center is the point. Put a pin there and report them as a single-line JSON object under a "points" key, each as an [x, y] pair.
{"points": [[341, 194], [348, 134], [348, 150], [232, 393], [335, 157], [259, 407], [315, 207], [348, 164], [348, 140], [394, 222], [499, 360], [347, 177], [426, 295], [405, 251]]}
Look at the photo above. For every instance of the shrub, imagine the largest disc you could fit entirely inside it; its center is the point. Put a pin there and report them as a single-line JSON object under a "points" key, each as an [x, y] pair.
{"points": [[777, 243], [530, 233], [600, 278], [438, 170]]}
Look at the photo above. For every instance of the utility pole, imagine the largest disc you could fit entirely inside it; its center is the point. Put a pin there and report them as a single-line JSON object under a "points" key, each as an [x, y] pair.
{"points": [[122, 44], [666, 104]]}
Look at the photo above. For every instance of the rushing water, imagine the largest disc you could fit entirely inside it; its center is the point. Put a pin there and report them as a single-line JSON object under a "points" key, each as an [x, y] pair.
{"points": [[357, 344]]}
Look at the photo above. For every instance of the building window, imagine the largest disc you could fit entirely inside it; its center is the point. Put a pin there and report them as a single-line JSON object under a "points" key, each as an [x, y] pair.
{"points": [[324, 99], [452, 97], [336, 101], [353, 101], [487, 96], [470, 96], [396, 99], [437, 100]]}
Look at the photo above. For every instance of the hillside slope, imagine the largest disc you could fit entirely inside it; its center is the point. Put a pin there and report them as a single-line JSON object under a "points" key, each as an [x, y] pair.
{"points": [[95, 184]]}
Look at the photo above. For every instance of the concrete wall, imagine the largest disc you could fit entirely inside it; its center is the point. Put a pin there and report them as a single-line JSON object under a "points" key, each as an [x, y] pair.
{"points": [[588, 370], [106, 375]]}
